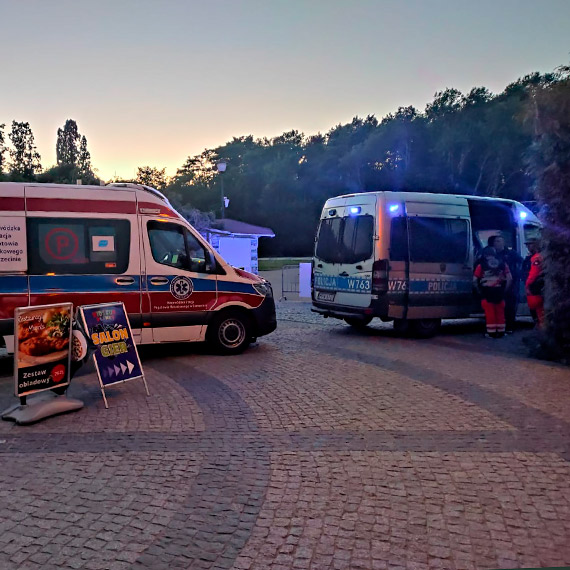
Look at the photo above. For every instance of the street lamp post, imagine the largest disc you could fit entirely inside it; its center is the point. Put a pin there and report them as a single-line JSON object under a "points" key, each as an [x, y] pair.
{"points": [[221, 166]]}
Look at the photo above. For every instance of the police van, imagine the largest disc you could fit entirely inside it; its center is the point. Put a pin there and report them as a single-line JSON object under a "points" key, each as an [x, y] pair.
{"points": [[408, 257], [125, 242]]}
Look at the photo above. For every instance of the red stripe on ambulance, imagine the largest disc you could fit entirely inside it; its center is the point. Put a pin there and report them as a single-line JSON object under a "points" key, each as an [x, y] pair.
{"points": [[94, 206]]}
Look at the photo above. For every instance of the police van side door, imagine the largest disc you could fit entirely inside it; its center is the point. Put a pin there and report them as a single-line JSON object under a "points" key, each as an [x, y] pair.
{"points": [[179, 289], [440, 266]]}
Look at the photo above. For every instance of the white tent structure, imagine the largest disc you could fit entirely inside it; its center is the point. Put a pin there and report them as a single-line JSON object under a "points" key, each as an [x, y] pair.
{"points": [[237, 242]]}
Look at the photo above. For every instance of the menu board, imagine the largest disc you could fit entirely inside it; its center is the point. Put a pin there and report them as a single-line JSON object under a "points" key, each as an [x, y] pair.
{"points": [[42, 338]]}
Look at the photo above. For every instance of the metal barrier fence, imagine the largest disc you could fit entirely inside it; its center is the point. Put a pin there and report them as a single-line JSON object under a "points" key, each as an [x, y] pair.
{"points": [[289, 280]]}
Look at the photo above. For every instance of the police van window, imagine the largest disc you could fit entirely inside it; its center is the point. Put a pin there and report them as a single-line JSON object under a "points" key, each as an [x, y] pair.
{"points": [[175, 246], [345, 240], [531, 231], [357, 238], [328, 240], [434, 240], [78, 246], [398, 239]]}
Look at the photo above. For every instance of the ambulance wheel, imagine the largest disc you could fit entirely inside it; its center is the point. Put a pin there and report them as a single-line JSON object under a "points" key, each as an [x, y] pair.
{"points": [[425, 328], [358, 322], [229, 332]]}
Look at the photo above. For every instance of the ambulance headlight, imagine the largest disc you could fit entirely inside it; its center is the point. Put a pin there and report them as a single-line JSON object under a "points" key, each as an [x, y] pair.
{"points": [[264, 288]]}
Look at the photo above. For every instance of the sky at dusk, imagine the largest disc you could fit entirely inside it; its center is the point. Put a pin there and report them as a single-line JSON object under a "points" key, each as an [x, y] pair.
{"points": [[151, 82]]}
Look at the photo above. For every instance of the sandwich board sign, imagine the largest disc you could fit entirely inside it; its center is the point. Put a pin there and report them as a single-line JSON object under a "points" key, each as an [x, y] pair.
{"points": [[42, 350], [116, 356]]}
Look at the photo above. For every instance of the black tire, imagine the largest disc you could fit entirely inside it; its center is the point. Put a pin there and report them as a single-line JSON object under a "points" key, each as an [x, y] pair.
{"points": [[425, 328], [358, 322], [230, 332], [401, 326]]}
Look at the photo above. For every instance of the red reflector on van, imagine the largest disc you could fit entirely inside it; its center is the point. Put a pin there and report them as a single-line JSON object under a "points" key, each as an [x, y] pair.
{"points": [[380, 276]]}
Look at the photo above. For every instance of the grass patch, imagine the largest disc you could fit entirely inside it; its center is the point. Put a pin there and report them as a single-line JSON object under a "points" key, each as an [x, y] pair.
{"points": [[272, 263]]}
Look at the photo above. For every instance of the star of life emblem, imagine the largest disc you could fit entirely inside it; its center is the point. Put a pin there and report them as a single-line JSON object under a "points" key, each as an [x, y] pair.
{"points": [[181, 287]]}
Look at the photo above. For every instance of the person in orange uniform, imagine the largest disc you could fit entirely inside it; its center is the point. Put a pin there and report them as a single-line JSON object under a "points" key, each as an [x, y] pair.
{"points": [[492, 278], [535, 281]]}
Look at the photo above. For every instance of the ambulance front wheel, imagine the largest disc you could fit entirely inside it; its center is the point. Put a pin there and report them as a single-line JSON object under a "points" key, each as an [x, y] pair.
{"points": [[230, 332]]}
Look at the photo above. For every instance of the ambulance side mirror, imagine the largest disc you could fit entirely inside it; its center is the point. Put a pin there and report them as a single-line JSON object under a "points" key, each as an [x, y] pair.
{"points": [[210, 262]]}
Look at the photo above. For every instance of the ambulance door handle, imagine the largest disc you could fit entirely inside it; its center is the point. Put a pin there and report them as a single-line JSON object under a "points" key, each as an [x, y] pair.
{"points": [[343, 274], [159, 281], [319, 264], [124, 280], [359, 267]]}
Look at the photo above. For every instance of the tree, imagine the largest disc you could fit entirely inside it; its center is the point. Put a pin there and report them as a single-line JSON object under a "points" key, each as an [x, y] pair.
{"points": [[67, 145], [151, 176], [2, 148], [548, 112], [84, 163], [25, 159]]}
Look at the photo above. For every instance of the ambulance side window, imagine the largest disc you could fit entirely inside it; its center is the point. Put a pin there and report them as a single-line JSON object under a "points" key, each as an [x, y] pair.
{"points": [[78, 246], [175, 246]]}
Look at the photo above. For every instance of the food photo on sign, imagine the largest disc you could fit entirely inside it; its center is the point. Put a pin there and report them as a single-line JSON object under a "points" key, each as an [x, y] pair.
{"points": [[43, 336]]}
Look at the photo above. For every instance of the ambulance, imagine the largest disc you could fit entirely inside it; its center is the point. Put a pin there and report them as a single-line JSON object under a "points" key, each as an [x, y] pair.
{"points": [[124, 242], [408, 257]]}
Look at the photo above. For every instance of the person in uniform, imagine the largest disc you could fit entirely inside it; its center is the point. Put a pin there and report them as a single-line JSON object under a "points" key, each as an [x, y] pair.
{"points": [[514, 261], [535, 281], [492, 278]]}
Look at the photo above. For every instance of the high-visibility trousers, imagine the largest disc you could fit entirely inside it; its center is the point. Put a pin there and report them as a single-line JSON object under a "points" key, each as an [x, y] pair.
{"points": [[494, 316]]}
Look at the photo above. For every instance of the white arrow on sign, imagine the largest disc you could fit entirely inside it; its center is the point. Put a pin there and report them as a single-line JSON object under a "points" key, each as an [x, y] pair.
{"points": [[117, 370], [131, 366], [123, 368]]}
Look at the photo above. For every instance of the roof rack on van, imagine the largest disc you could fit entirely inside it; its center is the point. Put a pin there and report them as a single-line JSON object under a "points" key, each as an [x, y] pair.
{"points": [[149, 189]]}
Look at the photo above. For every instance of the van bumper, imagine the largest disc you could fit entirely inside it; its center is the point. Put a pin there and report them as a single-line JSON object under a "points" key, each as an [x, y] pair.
{"points": [[264, 317], [342, 312], [378, 308]]}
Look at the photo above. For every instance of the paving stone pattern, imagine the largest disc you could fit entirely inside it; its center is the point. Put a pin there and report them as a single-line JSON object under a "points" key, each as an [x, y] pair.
{"points": [[320, 447]]}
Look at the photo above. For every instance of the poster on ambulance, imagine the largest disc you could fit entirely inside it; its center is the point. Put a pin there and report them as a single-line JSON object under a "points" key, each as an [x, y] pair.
{"points": [[116, 356], [42, 347]]}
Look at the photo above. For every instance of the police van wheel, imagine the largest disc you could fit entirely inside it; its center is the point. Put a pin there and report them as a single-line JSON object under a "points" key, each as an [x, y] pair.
{"points": [[230, 332], [425, 328], [358, 322], [401, 326]]}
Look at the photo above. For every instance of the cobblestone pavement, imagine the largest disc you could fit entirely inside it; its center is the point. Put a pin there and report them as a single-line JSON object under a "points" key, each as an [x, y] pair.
{"points": [[320, 447]]}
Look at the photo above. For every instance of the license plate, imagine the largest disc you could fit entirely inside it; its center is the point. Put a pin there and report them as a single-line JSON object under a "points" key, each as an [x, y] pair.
{"points": [[323, 296]]}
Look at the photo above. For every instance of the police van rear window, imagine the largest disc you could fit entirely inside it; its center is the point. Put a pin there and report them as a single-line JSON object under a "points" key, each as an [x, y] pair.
{"points": [[78, 246], [345, 240]]}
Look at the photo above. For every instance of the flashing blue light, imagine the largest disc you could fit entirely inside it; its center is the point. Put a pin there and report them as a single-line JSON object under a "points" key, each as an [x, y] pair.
{"points": [[394, 208], [523, 215], [355, 210]]}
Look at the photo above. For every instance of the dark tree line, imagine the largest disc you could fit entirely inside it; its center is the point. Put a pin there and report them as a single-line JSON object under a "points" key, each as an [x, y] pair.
{"points": [[475, 143]]}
